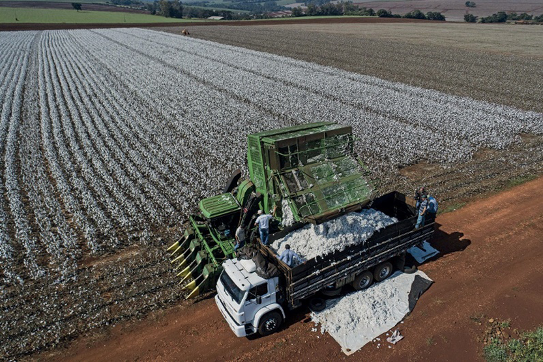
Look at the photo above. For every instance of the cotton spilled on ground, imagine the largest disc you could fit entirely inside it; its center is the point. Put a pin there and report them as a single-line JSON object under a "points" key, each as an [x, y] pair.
{"points": [[360, 317]]}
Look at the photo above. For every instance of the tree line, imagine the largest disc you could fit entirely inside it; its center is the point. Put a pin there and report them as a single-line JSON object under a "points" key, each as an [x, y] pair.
{"points": [[502, 17], [177, 9], [314, 9]]}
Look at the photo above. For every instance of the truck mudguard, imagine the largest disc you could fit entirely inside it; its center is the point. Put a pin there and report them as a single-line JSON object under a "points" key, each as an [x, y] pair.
{"points": [[265, 310]]}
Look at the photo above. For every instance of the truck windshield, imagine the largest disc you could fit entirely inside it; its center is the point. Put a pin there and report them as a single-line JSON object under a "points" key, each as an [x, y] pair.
{"points": [[231, 288]]}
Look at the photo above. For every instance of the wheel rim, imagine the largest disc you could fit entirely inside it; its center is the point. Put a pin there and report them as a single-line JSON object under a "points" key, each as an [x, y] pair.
{"points": [[364, 282], [385, 271], [271, 324]]}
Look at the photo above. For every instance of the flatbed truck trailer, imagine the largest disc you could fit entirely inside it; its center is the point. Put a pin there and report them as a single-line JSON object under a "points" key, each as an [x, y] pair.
{"points": [[253, 304]]}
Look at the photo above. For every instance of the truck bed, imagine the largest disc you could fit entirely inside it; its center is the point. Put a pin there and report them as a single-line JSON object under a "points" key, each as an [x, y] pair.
{"points": [[306, 279]]}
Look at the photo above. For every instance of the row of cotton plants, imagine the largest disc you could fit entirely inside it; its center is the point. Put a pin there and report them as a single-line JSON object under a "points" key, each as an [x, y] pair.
{"points": [[20, 247], [54, 233]]}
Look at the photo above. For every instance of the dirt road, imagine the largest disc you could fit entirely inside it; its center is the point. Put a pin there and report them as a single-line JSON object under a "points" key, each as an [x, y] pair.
{"points": [[490, 270]]}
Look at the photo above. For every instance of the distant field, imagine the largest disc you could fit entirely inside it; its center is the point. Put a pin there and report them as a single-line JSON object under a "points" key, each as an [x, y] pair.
{"points": [[491, 38], [30, 15], [454, 9]]}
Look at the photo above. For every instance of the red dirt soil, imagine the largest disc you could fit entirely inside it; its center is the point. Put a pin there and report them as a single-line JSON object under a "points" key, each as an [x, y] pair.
{"points": [[490, 269]]}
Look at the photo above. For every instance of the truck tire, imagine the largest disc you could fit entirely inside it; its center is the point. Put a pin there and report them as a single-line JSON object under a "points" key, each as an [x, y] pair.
{"points": [[270, 323], [382, 271], [317, 304], [363, 281]]}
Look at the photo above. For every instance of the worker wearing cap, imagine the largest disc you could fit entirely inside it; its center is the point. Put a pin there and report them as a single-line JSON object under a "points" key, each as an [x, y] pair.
{"points": [[418, 196], [423, 209], [263, 222]]}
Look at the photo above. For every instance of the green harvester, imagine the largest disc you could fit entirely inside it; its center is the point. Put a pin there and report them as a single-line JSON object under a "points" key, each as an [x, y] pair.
{"points": [[310, 169]]}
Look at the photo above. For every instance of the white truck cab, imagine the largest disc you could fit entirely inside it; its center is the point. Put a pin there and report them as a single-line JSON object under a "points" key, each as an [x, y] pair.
{"points": [[249, 303]]}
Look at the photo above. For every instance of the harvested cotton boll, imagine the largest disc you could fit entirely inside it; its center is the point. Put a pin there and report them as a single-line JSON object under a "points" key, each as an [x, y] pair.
{"points": [[335, 235], [288, 216]]}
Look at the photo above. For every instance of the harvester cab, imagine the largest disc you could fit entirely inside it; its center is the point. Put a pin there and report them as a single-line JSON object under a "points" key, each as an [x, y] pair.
{"points": [[308, 172]]}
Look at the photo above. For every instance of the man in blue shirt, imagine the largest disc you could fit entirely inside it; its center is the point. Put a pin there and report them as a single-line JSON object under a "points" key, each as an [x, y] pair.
{"points": [[288, 256], [263, 222], [432, 207], [418, 196], [423, 209]]}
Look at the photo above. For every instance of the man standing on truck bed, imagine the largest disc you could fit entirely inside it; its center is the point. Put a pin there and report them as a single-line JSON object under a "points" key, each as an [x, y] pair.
{"points": [[423, 209], [288, 256], [263, 222], [432, 208], [240, 238], [418, 196]]}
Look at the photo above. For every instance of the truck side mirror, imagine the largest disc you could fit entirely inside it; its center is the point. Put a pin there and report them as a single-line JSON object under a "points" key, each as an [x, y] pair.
{"points": [[258, 299]]}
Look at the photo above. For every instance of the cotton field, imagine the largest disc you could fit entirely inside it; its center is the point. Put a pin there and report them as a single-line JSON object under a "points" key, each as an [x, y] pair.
{"points": [[108, 138]]}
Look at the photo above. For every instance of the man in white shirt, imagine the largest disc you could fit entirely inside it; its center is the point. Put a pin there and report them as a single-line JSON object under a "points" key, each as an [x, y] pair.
{"points": [[263, 222], [240, 238]]}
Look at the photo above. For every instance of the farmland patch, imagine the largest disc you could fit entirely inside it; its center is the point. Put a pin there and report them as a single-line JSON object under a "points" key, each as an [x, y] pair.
{"points": [[110, 137]]}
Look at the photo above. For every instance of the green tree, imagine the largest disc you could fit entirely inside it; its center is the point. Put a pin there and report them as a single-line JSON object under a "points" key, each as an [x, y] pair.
{"points": [[415, 14], [470, 4], [501, 17], [470, 18], [382, 13], [435, 15], [165, 7], [170, 9], [76, 6], [525, 16], [312, 10], [297, 12]]}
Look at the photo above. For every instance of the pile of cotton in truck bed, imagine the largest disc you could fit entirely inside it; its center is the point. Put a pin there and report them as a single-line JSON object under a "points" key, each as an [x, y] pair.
{"points": [[334, 235]]}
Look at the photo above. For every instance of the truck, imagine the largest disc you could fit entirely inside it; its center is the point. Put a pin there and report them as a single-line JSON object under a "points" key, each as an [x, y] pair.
{"points": [[254, 303], [308, 174]]}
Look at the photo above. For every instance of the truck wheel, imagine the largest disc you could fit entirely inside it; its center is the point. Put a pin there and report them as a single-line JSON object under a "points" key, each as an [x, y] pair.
{"points": [[363, 281], [382, 271], [317, 304], [270, 323]]}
